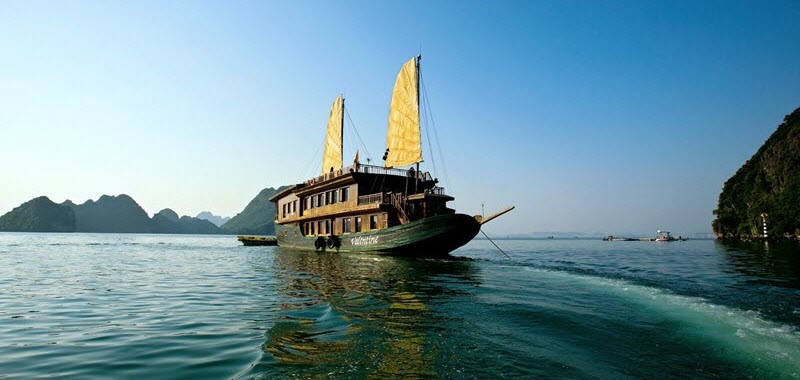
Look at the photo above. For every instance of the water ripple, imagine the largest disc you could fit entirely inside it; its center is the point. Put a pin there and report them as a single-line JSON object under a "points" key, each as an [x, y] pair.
{"points": [[160, 306]]}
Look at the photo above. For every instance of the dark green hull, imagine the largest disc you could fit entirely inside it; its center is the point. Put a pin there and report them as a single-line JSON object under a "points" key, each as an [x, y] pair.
{"points": [[257, 240], [434, 236]]}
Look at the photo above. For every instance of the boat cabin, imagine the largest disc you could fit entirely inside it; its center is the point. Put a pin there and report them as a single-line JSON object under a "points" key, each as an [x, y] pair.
{"points": [[360, 198]]}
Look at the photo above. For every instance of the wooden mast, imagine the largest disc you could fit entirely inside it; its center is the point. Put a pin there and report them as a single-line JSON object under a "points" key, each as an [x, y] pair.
{"points": [[341, 141], [419, 122]]}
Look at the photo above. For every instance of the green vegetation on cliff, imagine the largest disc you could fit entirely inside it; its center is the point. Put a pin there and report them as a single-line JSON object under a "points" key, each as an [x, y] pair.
{"points": [[257, 218], [39, 215], [769, 182]]}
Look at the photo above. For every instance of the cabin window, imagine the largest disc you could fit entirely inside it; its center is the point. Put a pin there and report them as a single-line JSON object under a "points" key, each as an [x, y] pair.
{"points": [[327, 197], [373, 222], [333, 196], [327, 226], [294, 206], [319, 200], [284, 211], [313, 232], [319, 228], [345, 225], [358, 224], [345, 194]]}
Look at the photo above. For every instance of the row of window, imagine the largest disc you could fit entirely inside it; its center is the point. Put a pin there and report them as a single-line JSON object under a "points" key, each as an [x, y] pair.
{"points": [[327, 198], [289, 208], [323, 227], [317, 200]]}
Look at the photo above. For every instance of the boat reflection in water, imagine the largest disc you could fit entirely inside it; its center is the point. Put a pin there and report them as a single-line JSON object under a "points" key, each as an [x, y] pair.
{"points": [[361, 315]]}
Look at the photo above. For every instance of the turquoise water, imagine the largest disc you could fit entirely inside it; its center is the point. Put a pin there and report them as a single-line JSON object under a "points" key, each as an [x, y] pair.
{"points": [[161, 306]]}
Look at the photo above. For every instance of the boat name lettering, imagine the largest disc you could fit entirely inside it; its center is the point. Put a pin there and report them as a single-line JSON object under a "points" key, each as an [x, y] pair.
{"points": [[364, 240]]}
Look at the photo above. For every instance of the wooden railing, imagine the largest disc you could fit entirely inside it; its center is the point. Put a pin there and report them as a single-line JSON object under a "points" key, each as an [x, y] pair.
{"points": [[372, 169], [398, 200], [436, 190], [371, 198]]}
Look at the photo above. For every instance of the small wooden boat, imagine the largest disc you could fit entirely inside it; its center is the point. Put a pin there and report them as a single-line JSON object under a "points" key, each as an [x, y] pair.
{"points": [[257, 240]]}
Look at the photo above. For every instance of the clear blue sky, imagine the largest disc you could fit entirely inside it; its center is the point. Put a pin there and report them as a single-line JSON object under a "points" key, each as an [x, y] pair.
{"points": [[589, 116]]}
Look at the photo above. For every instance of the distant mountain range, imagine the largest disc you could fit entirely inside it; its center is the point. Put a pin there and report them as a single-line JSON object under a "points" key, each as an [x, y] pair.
{"points": [[216, 219], [121, 214]]}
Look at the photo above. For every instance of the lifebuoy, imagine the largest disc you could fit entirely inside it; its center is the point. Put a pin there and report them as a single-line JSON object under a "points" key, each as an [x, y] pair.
{"points": [[318, 243], [330, 242]]}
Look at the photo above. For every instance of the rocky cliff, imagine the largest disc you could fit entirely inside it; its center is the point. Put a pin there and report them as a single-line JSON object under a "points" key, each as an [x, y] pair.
{"points": [[768, 183]]}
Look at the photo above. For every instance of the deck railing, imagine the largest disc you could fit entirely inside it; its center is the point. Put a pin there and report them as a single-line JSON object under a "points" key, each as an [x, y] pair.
{"points": [[372, 169], [371, 198], [436, 190]]}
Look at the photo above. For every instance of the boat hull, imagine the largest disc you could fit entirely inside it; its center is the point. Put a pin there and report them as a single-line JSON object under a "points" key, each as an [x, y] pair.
{"points": [[257, 240], [433, 236]]}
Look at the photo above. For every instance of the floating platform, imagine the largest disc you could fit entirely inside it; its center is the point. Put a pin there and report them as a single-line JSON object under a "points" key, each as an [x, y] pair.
{"points": [[257, 240]]}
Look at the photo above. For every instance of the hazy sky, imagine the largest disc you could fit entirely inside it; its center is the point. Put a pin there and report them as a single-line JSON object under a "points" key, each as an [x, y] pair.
{"points": [[589, 116]]}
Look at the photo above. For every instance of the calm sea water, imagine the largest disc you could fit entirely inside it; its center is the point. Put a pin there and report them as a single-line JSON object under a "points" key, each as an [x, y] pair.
{"points": [[160, 306]]}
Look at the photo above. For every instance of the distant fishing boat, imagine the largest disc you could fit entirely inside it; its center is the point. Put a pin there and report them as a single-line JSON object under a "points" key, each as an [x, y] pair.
{"points": [[617, 238], [394, 208], [664, 235]]}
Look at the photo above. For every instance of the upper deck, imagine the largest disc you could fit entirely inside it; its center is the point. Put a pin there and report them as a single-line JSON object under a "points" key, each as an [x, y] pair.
{"points": [[350, 174], [398, 194], [373, 170]]}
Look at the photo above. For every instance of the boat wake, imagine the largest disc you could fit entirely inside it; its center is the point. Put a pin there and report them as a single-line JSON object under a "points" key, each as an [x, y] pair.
{"points": [[769, 348]]}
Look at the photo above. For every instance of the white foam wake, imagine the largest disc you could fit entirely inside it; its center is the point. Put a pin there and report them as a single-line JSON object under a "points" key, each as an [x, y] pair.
{"points": [[768, 347]]}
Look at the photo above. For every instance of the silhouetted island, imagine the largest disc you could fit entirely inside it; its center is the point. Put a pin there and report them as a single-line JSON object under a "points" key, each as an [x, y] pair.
{"points": [[257, 218], [767, 187], [121, 214], [40, 215], [216, 219], [108, 214]]}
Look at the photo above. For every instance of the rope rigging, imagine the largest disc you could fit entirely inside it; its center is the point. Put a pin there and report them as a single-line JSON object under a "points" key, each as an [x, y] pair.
{"points": [[429, 116], [495, 245], [315, 158], [358, 136]]}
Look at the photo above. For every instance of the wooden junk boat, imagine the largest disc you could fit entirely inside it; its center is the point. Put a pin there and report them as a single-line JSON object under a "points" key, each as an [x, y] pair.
{"points": [[393, 208]]}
